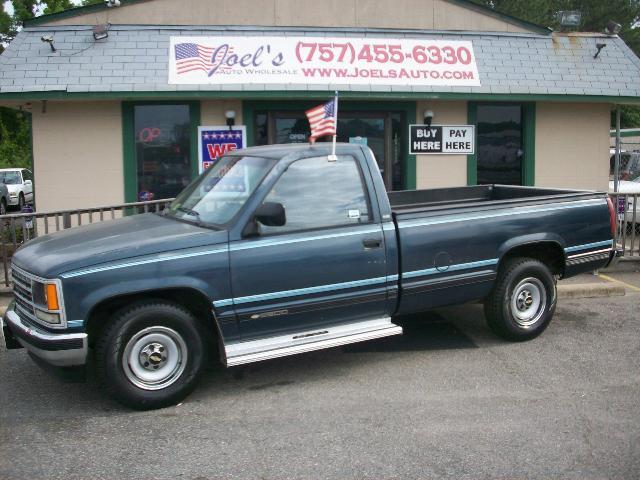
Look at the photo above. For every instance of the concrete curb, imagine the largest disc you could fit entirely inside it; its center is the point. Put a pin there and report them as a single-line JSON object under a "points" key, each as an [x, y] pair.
{"points": [[624, 264], [590, 290]]}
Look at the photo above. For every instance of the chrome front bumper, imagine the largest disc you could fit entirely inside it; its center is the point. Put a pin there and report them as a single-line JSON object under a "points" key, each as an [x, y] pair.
{"points": [[57, 349]]}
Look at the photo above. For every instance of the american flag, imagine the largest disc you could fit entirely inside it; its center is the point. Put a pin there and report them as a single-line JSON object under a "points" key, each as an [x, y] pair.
{"points": [[322, 120], [193, 56]]}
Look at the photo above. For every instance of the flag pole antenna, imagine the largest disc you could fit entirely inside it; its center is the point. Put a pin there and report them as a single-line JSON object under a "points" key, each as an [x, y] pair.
{"points": [[333, 157]]}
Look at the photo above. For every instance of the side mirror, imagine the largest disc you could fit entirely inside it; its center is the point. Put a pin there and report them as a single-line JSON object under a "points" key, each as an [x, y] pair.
{"points": [[271, 214]]}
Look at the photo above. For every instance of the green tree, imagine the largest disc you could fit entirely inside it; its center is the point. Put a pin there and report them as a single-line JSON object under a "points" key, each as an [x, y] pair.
{"points": [[595, 16], [15, 140]]}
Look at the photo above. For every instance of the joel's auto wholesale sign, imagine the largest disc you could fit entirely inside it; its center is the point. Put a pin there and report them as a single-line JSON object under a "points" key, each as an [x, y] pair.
{"points": [[446, 139], [321, 60]]}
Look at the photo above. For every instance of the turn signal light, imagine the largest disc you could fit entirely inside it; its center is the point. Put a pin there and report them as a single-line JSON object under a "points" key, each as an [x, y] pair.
{"points": [[51, 293]]}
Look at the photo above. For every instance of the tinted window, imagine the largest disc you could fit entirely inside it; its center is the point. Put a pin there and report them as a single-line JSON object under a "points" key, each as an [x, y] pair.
{"points": [[317, 193], [26, 174], [500, 144]]}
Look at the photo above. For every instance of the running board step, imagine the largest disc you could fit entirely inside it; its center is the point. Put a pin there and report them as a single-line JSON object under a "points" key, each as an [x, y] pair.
{"points": [[273, 347]]}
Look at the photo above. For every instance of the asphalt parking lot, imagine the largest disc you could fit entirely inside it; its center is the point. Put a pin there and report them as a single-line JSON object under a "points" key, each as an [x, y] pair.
{"points": [[446, 400]]}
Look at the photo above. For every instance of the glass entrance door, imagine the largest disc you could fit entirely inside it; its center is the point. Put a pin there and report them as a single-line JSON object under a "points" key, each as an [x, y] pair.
{"points": [[380, 131]]}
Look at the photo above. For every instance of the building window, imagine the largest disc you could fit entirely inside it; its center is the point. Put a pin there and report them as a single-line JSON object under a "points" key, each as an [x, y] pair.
{"points": [[162, 150], [500, 148], [379, 130]]}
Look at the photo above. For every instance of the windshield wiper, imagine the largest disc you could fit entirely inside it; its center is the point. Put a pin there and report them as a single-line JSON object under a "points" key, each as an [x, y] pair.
{"points": [[191, 212]]}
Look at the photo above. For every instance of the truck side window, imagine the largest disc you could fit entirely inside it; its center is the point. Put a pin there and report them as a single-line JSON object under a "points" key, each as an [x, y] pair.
{"points": [[317, 193]]}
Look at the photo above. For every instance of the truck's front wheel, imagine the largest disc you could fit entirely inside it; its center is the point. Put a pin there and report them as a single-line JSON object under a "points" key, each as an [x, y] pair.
{"points": [[522, 301], [150, 355]]}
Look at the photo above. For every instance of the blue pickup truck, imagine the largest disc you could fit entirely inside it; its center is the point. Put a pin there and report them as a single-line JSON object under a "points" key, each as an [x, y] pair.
{"points": [[283, 249]]}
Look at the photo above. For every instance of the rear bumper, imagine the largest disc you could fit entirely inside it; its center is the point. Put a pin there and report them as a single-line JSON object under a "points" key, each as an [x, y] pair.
{"points": [[57, 349], [615, 254]]}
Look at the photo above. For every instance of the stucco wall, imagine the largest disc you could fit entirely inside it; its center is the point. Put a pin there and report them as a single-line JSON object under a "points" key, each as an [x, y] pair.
{"points": [[572, 145], [77, 154], [420, 14], [433, 171], [212, 111]]}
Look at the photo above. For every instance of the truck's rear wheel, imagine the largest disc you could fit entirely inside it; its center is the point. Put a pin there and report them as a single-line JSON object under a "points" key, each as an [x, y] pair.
{"points": [[150, 355], [522, 301]]}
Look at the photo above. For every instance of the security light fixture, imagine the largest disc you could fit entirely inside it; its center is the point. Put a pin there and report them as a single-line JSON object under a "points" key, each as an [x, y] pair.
{"points": [[599, 46], [612, 28], [101, 31], [569, 18], [230, 115], [48, 39], [428, 117]]}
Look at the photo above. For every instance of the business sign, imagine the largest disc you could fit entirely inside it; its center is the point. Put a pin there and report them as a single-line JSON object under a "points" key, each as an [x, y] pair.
{"points": [[622, 204], [213, 142], [246, 60], [442, 139]]}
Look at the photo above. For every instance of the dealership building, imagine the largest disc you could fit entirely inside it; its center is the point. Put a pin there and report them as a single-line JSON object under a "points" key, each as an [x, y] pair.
{"points": [[129, 102]]}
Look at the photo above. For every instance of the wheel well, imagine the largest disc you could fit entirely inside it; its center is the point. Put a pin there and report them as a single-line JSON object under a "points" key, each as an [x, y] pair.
{"points": [[193, 300], [549, 253]]}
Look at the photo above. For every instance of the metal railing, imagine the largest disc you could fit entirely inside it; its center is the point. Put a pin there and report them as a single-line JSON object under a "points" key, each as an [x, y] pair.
{"points": [[18, 228], [628, 231]]}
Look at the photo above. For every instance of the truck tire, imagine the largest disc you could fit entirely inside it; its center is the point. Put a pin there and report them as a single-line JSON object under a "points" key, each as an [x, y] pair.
{"points": [[522, 301], [150, 355]]}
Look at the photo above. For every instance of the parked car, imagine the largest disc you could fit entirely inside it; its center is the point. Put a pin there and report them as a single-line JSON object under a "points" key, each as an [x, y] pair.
{"points": [[19, 182], [4, 198], [631, 189], [280, 250]]}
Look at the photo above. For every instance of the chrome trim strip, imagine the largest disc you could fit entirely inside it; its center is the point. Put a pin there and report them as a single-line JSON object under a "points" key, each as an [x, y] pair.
{"points": [[247, 244], [514, 211], [606, 243], [303, 291], [60, 358], [75, 323], [86, 271], [452, 268], [594, 252], [263, 349]]}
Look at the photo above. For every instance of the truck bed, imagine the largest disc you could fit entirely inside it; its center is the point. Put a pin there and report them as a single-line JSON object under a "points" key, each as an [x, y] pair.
{"points": [[417, 201]]}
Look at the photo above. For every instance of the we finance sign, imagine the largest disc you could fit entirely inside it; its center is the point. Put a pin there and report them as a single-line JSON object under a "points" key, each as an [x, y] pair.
{"points": [[248, 60]]}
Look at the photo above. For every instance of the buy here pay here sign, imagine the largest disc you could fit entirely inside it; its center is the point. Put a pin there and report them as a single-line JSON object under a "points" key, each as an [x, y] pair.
{"points": [[443, 139]]}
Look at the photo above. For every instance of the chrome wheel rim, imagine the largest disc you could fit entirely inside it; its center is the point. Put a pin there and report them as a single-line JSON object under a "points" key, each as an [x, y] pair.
{"points": [[528, 301], [154, 358]]}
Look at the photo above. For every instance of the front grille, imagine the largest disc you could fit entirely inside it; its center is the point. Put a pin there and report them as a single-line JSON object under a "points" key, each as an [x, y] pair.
{"points": [[23, 294]]}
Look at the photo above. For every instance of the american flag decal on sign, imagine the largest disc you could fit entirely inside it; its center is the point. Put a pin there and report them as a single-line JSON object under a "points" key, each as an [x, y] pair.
{"points": [[322, 120], [193, 56]]}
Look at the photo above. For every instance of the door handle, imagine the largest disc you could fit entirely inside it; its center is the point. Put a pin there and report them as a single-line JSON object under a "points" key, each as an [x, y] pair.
{"points": [[371, 243]]}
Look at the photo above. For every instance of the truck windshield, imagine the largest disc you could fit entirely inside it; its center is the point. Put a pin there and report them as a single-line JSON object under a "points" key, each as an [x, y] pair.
{"points": [[217, 195]]}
